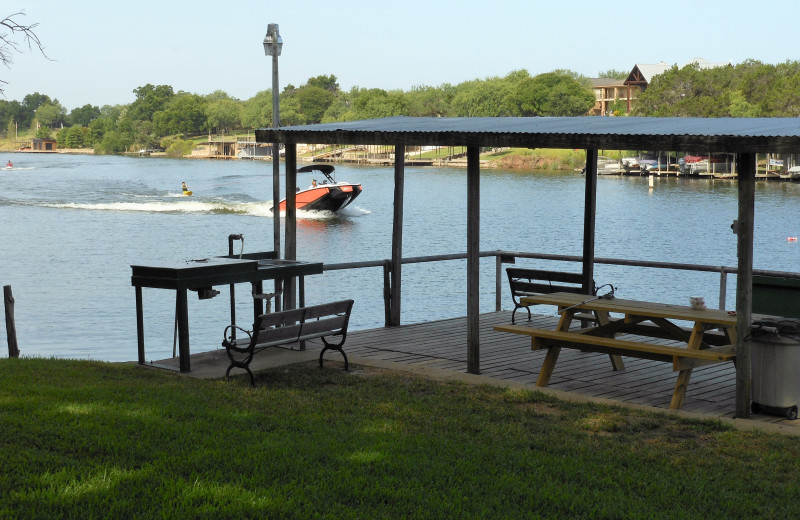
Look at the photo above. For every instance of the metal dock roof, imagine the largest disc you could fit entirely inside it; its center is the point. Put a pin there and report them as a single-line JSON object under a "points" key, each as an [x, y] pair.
{"points": [[759, 135]]}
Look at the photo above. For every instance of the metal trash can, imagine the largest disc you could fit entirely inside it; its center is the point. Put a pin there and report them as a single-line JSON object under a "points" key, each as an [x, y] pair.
{"points": [[775, 354]]}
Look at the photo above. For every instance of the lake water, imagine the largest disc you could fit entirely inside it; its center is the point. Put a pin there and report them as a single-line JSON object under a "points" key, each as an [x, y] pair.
{"points": [[72, 225]]}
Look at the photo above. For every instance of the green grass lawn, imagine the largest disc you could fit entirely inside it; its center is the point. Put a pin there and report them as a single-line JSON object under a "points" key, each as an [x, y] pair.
{"points": [[82, 439]]}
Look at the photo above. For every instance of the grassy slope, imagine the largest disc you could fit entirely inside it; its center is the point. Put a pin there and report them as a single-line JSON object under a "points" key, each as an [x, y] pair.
{"points": [[97, 440]]}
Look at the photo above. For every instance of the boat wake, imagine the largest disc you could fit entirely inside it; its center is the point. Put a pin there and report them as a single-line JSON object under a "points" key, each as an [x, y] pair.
{"points": [[215, 207]]}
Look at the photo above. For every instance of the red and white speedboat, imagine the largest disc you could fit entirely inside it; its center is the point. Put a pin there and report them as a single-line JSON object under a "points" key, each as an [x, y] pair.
{"points": [[326, 195]]}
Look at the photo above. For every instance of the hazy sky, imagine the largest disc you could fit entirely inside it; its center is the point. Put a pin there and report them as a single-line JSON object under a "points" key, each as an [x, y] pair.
{"points": [[102, 50]]}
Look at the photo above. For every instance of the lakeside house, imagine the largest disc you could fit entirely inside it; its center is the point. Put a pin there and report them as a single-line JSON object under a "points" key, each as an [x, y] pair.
{"points": [[608, 91]]}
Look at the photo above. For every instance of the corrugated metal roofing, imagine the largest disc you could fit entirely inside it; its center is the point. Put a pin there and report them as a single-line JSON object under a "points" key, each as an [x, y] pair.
{"points": [[764, 135]]}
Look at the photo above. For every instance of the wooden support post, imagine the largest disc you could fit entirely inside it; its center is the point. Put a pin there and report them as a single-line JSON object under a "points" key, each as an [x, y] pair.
{"points": [[182, 309], [589, 215], [276, 197], [397, 234], [11, 327], [473, 258], [744, 281], [498, 286], [289, 291], [139, 325], [387, 294]]}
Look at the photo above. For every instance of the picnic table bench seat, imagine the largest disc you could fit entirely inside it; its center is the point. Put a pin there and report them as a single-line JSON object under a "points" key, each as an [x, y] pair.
{"points": [[681, 357]]}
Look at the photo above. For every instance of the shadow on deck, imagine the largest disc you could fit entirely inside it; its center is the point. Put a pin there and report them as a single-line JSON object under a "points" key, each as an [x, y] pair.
{"points": [[438, 349]]}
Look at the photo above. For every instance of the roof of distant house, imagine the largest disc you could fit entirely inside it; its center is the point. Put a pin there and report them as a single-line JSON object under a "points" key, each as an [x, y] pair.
{"points": [[648, 70], [606, 82]]}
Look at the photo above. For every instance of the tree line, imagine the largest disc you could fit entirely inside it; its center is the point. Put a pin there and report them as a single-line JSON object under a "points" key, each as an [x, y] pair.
{"points": [[159, 117], [749, 89]]}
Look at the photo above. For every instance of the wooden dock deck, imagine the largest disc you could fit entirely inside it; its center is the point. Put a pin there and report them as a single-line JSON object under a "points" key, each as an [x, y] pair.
{"points": [[507, 358]]}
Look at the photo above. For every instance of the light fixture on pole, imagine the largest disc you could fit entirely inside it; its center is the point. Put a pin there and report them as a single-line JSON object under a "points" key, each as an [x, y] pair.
{"points": [[273, 43]]}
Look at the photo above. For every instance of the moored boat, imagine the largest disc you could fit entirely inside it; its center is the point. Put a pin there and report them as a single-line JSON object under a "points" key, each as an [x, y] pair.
{"points": [[710, 165], [792, 174], [327, 195]]}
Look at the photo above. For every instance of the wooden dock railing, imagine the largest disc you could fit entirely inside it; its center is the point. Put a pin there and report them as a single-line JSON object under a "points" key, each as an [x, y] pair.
{"points": [[502, 257]]}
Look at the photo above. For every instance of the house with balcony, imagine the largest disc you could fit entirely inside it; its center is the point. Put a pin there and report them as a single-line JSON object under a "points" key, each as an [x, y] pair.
{"points": [[609, 91]]}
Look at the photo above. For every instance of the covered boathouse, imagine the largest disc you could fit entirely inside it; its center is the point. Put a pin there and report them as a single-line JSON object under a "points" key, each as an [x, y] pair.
{"points": [[744, 137]]}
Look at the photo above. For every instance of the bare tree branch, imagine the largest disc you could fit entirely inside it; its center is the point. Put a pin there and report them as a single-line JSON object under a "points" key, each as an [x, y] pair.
{"points": [[13, 36]]}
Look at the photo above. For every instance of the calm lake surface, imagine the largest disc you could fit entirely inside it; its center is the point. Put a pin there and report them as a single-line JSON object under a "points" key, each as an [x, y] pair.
{"points": [[71, 226]]}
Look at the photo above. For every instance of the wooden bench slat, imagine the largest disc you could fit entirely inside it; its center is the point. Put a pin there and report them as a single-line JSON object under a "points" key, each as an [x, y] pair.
{"points": [[277, 335], [526, 288], [619, 346], [323, 326], [326, 309], [529, 282], [541, 274]]}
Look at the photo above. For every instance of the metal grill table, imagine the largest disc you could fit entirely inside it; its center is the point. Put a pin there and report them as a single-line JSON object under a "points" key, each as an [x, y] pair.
{"points": [[202, 275]]}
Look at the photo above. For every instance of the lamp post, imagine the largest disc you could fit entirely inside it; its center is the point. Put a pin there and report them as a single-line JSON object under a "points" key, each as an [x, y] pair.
{"points": [[273, 43]]}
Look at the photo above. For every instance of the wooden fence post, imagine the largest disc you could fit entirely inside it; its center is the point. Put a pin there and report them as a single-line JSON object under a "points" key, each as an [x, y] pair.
{"points": [[11, 328]]}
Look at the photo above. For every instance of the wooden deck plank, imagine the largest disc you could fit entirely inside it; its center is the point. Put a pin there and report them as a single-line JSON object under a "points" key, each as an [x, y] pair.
{"points": [[508, 357]]}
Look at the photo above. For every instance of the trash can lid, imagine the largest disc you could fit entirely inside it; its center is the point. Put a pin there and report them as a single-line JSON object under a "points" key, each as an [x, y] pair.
{"points": [[778, 326]]}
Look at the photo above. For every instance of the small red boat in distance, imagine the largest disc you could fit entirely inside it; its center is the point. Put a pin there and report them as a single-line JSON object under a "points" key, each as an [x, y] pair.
{"points": [[326, 195]]}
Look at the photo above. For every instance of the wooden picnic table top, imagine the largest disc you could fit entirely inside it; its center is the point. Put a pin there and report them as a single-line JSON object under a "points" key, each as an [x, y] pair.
{"points": [[634, 308]]}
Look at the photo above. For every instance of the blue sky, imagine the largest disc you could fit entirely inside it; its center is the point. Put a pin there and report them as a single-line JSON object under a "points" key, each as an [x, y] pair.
{"points": [[101, 51]]}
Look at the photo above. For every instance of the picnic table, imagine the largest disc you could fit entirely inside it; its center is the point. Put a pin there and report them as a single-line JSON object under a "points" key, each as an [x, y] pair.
{"points": [[710, 339]]}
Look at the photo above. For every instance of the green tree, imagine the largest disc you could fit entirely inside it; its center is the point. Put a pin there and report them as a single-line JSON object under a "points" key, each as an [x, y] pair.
{"points": [[44, 133], [222, 115], [73, 137], [219, 95], [337, 111], [521, 94], [125, 127], [184, 114], [290, 112], [12, 115], [426, 101], [313, 102], [84, 115], [51, 114], [614, 74], [179, 148], [482, 98], [257, 111], [112, 142], [149, 100], [328, 83], [34, 101], [739, 107], [783, 96], [618, 107], [687, 92], [561, 93], [374, 103]]}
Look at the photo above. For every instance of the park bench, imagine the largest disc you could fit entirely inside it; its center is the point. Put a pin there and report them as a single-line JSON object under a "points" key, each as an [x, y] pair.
{"points": [[274, 329], [527, 282]]}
